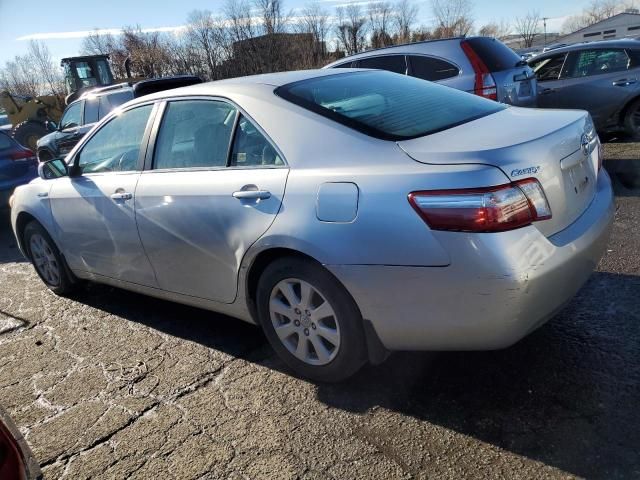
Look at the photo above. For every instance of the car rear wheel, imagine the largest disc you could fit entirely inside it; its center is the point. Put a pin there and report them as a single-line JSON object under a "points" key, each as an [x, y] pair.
{"points": [[632, 120], [47, 260], [310, 320]]}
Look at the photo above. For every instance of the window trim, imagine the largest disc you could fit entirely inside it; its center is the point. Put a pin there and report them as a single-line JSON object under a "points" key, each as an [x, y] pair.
{"points": [[74, 155], [435, 57], [153, 138]]}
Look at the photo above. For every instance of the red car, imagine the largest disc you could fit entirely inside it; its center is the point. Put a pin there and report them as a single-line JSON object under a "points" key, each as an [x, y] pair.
{"points": [[16, 459]]}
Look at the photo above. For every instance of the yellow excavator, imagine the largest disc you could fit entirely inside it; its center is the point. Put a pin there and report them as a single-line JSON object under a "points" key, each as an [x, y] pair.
{"points": [[34, 117]]}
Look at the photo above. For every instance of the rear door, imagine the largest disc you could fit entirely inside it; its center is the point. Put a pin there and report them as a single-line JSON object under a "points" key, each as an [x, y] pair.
{"points": [[597, 80], [214, 186]]}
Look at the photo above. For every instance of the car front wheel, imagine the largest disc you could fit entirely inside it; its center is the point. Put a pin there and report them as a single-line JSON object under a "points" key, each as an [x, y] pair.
{"points": [[310, 320], [46, 259]]}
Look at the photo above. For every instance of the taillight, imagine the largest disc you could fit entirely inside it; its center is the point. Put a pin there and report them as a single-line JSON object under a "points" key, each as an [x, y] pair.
{"points": [[485, 85], [493, 209], [22, 154]]}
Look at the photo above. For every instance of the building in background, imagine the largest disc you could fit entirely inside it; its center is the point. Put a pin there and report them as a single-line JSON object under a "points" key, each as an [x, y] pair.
{"points": [[622, 25]]}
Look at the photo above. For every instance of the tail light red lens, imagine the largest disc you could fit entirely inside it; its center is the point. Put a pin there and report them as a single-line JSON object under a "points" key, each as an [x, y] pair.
{"points": [[485, 85], [493, 209], [22, 154]]}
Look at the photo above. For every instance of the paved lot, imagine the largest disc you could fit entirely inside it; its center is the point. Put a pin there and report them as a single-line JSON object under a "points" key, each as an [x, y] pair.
{"points": [[111, 384]]}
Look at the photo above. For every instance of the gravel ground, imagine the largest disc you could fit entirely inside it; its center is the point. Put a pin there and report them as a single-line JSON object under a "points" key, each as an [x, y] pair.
{"points": [[111, 384]]}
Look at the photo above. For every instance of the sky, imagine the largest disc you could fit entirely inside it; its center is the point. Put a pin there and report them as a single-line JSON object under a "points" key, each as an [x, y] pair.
{"points": [[62, 25]]}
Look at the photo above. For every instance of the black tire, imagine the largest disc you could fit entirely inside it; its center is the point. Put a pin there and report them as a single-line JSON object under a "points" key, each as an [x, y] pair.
{"points": [[28, 133], [632, 120], [351, 354], [66, 283]]}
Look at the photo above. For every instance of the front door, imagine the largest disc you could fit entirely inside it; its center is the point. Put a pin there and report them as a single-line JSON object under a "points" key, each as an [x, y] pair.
{"points": [[209, 195], [94, 211]]}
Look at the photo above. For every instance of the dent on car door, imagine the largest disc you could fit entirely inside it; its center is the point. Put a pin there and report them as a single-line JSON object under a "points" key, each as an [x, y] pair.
{"points": [[94, 211], [215, 186]]}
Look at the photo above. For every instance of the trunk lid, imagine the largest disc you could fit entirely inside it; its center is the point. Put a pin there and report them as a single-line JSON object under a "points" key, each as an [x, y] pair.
{"points": [[525, 143]]}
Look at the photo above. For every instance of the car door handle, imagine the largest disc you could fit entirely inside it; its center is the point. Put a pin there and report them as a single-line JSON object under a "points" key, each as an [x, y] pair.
{"points": [[121, 196], [547, 91], [624, 82], [252, 194]]}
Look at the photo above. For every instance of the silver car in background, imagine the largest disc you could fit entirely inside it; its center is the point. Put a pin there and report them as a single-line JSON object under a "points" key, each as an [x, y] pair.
{"points": [[347, 212], [480, 65]]}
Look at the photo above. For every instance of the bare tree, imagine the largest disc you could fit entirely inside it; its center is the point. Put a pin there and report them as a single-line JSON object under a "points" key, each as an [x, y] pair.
{"points": [[51, 80], [206, 39], [405, 15], [272, 16], [351, 28], [596, 11], [495, 29], [380, 19], [453, 17], [315, 21], [33, 74], [527, 27]]}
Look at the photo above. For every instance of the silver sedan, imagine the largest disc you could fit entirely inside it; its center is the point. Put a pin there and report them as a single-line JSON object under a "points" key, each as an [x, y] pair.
{"points": [[348, 212]]}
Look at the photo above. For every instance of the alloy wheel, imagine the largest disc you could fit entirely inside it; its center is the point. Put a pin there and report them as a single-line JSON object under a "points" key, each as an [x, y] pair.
{"points": [[44, 259], [304, 321]]}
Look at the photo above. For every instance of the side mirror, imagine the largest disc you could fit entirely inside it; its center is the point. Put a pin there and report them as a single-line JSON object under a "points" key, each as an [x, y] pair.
{"points": [[51, 169], [51, 126]]}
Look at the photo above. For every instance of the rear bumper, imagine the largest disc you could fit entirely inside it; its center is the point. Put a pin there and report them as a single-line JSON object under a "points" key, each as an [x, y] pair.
{"points": [[498, 288]]}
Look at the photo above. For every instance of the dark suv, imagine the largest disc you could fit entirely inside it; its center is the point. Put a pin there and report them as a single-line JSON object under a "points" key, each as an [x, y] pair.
{"points": [[81, 115]]}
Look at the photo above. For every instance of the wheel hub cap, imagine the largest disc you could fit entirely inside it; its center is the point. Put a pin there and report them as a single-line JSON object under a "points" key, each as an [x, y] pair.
{"points": [[304, 321], [44, 260]]}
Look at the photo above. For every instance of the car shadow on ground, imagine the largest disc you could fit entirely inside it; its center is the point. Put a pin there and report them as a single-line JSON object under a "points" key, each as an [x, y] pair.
{"points": [[566, 396]]}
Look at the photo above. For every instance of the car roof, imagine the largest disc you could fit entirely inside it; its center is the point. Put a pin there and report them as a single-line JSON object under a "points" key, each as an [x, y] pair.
{"points": [[619, 43], [246, 84], [409, 47]]}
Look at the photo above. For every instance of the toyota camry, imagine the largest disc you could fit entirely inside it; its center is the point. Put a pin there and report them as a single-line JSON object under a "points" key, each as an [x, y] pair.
{"points": [[347, 212]]}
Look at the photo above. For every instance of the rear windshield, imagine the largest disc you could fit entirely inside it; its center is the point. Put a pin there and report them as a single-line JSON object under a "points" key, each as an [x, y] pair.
{"points": [[387, 105], [494, 54]]}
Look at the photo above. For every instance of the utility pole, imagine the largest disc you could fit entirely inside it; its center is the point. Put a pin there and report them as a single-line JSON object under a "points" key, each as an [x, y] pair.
{"points": [[544, 22]]}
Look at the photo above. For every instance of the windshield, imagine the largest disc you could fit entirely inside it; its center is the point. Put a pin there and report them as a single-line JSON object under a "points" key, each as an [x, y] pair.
{"points": [[387, 105]]}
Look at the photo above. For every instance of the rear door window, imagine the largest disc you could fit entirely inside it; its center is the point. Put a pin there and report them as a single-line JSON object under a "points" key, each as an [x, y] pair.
{"points": [[429, 68], [390, 63], [195, 134], [549, 68], [251, 148], [385, 105], [591, 62], [494, 54], [91, 107]]}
